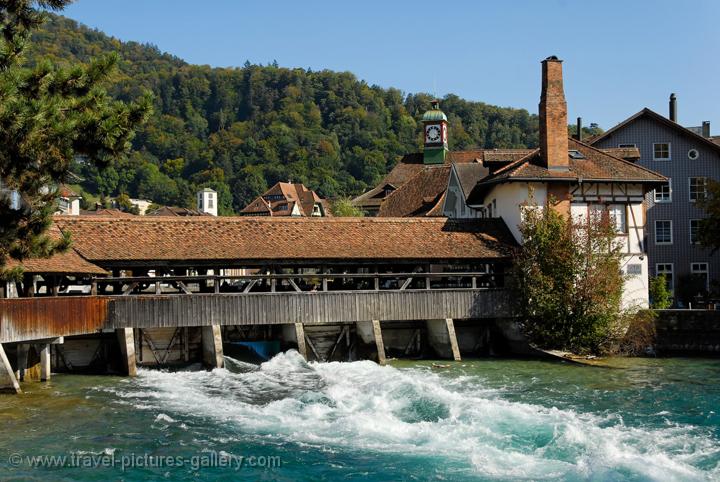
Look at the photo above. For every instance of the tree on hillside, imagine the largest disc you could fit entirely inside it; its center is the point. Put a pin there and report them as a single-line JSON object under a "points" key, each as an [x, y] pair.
{"points": [[344, 208], [50, 116], [263, 124], [569, 279]]}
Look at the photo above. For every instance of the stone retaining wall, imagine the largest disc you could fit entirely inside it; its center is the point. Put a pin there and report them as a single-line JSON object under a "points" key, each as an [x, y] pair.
{"points": [[688, 332]]}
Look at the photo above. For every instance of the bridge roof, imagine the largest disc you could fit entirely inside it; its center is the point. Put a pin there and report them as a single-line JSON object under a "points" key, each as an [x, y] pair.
{"points": [[68, 263], [234, 240]]}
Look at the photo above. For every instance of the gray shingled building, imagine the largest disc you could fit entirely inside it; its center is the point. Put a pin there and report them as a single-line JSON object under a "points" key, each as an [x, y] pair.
{"points": [[689, 157]]}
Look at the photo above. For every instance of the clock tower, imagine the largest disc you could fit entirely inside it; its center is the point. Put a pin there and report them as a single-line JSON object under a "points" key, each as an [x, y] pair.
{"points": [[435, 132]]}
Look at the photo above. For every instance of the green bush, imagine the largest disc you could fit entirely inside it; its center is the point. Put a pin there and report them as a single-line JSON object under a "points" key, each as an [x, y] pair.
{"points": [[660, 296]]}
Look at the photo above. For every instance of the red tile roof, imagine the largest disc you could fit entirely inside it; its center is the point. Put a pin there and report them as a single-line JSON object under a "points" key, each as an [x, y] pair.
{"points": [[108, 213], [280, 199], [191, 240], [69, 262], [419, 195], [65, 191], [175, 211], [596, 165]]}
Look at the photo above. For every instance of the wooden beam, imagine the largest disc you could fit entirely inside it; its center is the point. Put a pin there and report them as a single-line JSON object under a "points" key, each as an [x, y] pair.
{"points": [[294, 285], [300, 337], [337, 342], [126, 338], [312, 347], [453, 339], [129, 289], [184, 288], [8, 381], [379, 344], [250, 285]]}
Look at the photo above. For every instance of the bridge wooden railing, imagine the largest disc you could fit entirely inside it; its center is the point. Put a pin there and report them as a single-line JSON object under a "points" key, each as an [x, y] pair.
{"points": [[295, 282]]}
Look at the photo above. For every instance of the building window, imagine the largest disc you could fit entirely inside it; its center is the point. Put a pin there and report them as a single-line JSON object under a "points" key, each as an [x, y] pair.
{"points": [[626, 145], [663, 194], [663, 232], [700, 271], [693, 154], [694, 231], [211, 201], [616, 214], [698, 188], [667, 270], [200, 202], [661, 151]]}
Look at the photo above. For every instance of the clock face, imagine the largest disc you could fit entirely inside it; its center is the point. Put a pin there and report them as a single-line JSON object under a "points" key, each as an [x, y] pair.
{"points": [[432, 133]]}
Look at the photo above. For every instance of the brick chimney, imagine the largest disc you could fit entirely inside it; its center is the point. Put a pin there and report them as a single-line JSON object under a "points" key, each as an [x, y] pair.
{"points": [[553, 117]]}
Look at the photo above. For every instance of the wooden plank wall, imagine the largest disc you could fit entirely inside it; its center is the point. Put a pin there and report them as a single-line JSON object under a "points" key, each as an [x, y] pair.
{"points": [[309, 308]]}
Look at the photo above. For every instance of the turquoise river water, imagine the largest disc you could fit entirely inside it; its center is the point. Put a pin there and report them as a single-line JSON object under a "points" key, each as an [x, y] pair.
{"points": [[645, 419]]}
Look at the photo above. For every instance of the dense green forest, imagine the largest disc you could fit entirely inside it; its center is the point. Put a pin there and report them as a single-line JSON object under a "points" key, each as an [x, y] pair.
{"points": [[240, 130]]}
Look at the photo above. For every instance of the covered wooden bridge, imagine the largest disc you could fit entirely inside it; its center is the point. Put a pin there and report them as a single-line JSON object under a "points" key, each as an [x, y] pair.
{"points": [[172, 286]]}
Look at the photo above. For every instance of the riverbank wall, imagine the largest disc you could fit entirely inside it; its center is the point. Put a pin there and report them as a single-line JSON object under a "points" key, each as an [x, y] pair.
{"points": [[687, 332]]}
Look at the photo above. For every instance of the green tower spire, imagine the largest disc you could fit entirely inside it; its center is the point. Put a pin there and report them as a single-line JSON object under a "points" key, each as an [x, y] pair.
{"points": [[435, 127]]}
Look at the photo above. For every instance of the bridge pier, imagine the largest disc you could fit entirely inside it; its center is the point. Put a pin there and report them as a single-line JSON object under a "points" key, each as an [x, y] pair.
{"points": [[126, 338], [8, 381], [442, 338], [370, 332], [300, 337], [212, 346], [45, 369]]}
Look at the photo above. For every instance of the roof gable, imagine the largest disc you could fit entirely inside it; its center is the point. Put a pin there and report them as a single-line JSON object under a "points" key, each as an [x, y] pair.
{"points": [[655, 117]]}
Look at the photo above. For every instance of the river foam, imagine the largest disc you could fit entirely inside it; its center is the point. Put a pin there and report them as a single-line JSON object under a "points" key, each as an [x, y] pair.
{"points": [[363, 407]]}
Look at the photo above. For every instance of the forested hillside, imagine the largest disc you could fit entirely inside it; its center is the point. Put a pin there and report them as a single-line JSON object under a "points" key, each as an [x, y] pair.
{"points": [[239, 130]]}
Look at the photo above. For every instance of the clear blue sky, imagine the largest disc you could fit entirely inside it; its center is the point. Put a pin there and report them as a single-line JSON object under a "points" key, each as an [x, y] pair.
{"points": [[619, 56]]}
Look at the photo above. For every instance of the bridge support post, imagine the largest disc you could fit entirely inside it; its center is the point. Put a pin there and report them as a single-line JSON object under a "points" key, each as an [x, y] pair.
{"points": [[300, 335], [377, 333], [8, 381], [442, 338], [45, 362], [23, 353], [212, 346], [126, 337], [370, 332]]}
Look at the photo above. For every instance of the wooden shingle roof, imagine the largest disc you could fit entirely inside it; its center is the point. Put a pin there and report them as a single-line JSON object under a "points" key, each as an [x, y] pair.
{"points": [[245, 239]]}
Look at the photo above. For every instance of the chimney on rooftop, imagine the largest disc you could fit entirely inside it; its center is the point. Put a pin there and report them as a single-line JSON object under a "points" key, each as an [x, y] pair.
{"points": [[553, 116], [578, 131], [706, 129], [673, 107]]}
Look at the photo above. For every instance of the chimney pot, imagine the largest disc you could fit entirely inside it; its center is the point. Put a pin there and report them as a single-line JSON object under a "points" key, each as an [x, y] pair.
{"points": [[673, 107], [579, 133], [706, 129], [553, 116]]}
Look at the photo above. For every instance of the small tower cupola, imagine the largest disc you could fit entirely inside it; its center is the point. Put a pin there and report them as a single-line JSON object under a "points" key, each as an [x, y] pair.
{"points": [[435, 129], [207, 201]]}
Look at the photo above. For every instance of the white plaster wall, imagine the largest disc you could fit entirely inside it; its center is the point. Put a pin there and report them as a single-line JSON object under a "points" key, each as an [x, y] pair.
{"points": [[635, 290], [510, 198], [74, 207]]}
